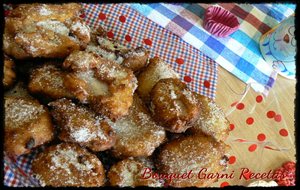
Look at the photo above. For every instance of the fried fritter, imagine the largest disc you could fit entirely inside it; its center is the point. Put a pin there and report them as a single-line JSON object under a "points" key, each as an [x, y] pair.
{"points": [[134, 59], [156, 70], [44, 30], [191, 154], [27, 125], [106, 86], [129, 172], [137, 134], [80, 125], [48, 80], [211, 121], [9, 74], [68, 164], [173, 105]]}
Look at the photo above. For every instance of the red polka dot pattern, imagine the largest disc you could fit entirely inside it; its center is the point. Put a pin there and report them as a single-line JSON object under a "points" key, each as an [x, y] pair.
{"points": [[110, 34], [232, 160], [128, 38], [250, 120], [283, 132], [271, 114], [102, 16], [187, 79], [224, 184], [179, 61], [252, 148], [122, 19], [259, 98], [261, 137], [231, 126], [206, 84], [148, 42], [240, 106], [277, 118]]}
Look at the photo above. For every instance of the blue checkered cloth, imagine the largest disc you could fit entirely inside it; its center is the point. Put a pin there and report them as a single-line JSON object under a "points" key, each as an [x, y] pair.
{"points": [[238, 53]]}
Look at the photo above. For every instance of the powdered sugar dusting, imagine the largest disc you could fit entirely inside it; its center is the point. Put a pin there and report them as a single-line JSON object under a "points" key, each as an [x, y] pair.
{"points": [[188, 94], [44, 11], [81, 27], [97, 87], [55, 26], [212, 120], [163, 70], [173, 95], [130, 171], [19, 111], [64, 158], [104, 53], [139, 128], [134, 53], [50, 75], [82, 135], [81, 129], [191, 153]]}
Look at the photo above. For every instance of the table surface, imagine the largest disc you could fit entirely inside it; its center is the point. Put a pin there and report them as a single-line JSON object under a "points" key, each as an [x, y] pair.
{"points": [[281, 100]]}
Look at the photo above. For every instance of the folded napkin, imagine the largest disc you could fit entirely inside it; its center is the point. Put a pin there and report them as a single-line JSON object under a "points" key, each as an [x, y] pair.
{"points": [[238, 53]]}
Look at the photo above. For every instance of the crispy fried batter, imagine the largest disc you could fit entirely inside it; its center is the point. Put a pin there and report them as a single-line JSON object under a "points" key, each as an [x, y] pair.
{"points": [[48, 80], [137, 133], [8, 72], [68, 164], [27, 125], [191, 153], [173, 105], [211, 121], [156, 70], [105, 85], [134, 59], [128, 173], [45, 30], [80, 125]]}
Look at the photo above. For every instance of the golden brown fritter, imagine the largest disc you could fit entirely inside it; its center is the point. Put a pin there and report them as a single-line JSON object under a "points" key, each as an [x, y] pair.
{"points": [[80, 125], [137, 133], [129, 172], [134, 59], [27, 125], [157, 69], [190, 154], [48, 81], [173, 105], [70, 165], [211, 121], [44, 30], [9, 74], [106, 86]]}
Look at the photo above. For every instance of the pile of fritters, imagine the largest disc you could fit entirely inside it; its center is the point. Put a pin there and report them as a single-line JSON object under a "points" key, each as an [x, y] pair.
{"points": [[84, 96]]}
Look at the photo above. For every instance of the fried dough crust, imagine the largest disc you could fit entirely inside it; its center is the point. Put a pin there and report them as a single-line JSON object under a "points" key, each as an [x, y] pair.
{"points": [[69, 165], [44, 30], [80, 125], [173, 105], [27, 125]]}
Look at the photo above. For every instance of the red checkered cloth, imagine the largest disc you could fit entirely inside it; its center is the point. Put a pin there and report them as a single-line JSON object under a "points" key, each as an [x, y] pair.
{"points": [[132, 29]]}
